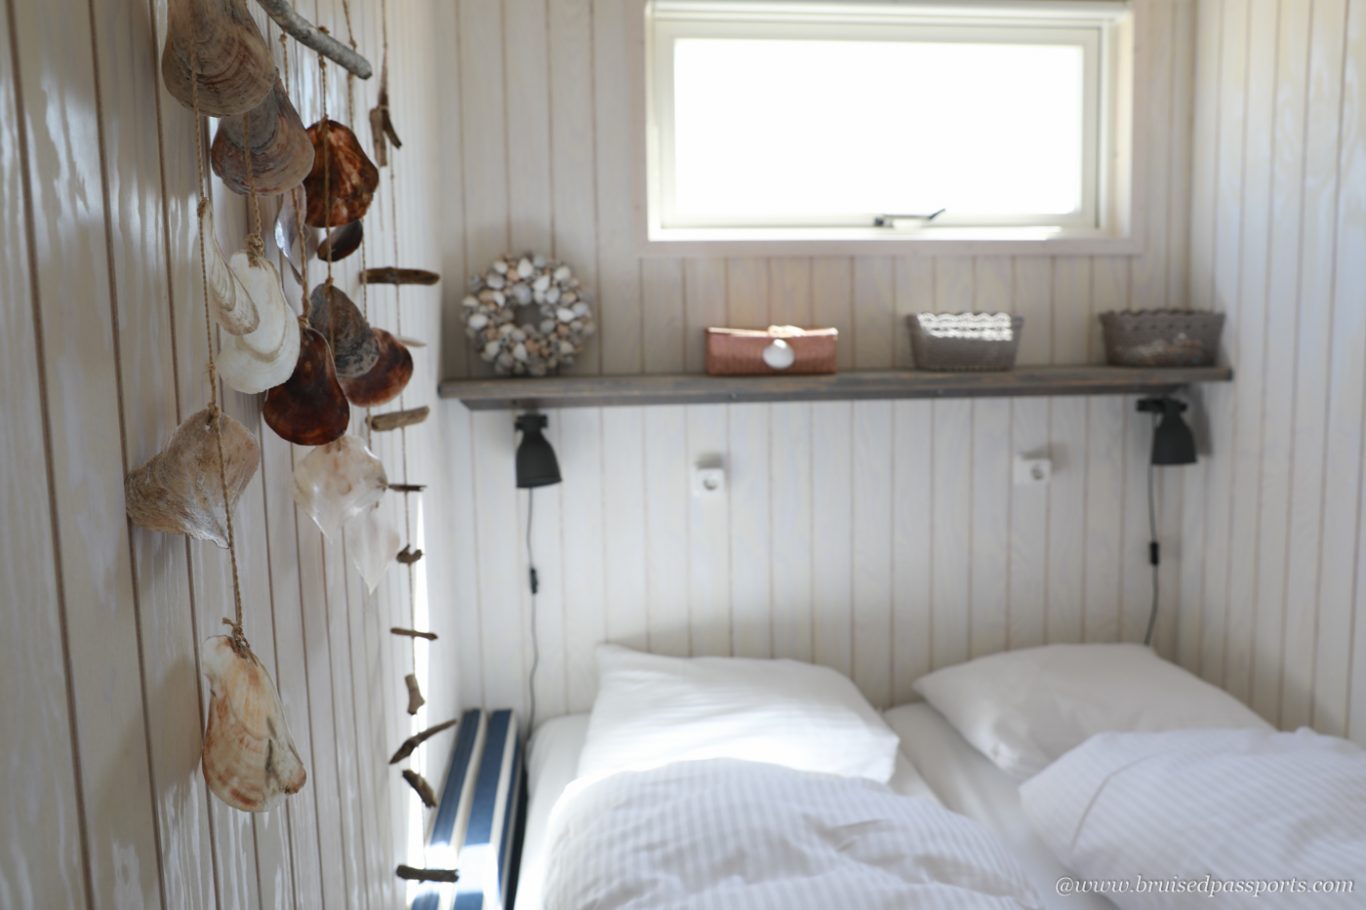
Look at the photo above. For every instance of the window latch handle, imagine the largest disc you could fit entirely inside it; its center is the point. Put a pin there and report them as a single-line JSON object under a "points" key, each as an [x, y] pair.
{"points": [[890, 220]]}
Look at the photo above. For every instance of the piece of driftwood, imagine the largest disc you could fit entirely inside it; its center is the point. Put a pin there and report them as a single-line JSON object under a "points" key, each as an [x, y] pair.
{"points": [[415, 699], [407, 487], [413, 874], [310, 36], [412, 633], [408, 555], [411, 743], [421, 787], [394, 420], [391, 275], [381, 124]]}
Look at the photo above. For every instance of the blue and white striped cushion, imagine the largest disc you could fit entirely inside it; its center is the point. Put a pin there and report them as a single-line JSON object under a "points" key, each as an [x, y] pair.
{"points": [[478, 821]]}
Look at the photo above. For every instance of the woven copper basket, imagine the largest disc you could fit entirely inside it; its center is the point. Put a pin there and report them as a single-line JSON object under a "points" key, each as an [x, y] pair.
{"points": [[767, 352]]}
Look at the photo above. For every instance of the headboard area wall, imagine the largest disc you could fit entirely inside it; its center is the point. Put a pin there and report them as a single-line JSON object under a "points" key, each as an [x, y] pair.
{"points": [[882, 538]]}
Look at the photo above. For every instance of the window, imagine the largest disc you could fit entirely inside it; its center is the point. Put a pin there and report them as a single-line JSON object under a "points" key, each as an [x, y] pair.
{"points": [[772, 117]]}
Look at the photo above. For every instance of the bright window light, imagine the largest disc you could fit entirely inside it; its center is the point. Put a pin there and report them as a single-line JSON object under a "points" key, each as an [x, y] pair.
{"points": [[765, 117]]}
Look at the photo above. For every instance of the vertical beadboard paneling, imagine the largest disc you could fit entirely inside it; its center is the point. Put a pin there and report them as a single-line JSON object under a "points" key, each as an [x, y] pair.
{"points": [[107, 358], [1281, 254]]}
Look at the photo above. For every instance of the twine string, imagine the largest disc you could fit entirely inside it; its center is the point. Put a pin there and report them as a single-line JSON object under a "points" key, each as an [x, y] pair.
{"points": [[216, 415], [299, 200], [256, 248]]}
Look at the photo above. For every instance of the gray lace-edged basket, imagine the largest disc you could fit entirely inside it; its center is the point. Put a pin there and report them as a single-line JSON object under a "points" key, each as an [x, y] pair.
{"points": [[964, 342], [1161, 338]]}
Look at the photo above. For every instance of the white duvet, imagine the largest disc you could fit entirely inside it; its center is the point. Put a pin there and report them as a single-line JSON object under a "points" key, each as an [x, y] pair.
{"points": [[732, 834], [1209, 818]]}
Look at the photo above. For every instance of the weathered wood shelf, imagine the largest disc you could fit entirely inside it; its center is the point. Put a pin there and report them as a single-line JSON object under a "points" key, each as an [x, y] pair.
{"points": [[604, 391]]}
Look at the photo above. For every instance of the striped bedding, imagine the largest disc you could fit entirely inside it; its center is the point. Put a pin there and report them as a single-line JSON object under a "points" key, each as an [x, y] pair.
{"points": [[1253, 815], [731, 834]]}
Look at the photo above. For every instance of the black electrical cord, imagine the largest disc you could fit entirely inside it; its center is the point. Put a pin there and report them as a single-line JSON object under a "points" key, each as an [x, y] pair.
{"points": [[1154, 549], [535, 587]]}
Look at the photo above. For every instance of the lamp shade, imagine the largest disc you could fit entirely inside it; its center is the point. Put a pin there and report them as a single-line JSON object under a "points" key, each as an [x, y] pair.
{"points": [[1173, 441], [536, 463]]}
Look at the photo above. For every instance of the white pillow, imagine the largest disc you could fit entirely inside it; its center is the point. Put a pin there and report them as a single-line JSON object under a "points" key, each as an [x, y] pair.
{"points": [[652, 710], [1025, 709]]}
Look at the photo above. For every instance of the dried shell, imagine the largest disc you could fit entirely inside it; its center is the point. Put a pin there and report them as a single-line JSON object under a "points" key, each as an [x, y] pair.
{"points": [[249, 757], [179, 491], [341, 242], [287, 234], [231, 305], [217, 44], [352, 180], [338, 480], [310, 408], [281, 152], [264, 358], [337, 318], [371, 543], [386, 379]]}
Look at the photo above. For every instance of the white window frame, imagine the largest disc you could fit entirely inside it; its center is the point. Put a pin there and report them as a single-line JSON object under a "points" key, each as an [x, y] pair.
{"points": [[1103, 28]]}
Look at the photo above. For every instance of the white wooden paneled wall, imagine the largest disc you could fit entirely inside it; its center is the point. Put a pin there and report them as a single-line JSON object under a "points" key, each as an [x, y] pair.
{"points": [[1274, 540], [881, 538], [104, 353]]}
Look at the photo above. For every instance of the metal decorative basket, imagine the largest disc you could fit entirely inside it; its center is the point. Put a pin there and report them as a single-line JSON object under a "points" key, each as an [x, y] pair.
{"points": [[1161, 338], [965, 342]]}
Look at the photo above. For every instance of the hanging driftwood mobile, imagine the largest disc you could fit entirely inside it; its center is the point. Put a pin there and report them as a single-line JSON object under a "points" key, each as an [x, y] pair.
{"points": [[411, 633], [214, 50], [421, 787], [249, 760], [415, 699], [392, 275], [396, 420], [343, 179], [413, 874], [265, 150], [411, 743], [178, 490]]}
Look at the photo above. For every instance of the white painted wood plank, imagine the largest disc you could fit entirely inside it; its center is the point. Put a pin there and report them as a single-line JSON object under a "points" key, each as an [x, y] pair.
{"points": [[874, 312], [872, 548], [747, 293], [990, 517], [1154, 23], [832, 533], [58, 81], [1247, 404], [791, 493], [1029, 436], [832, 287], [1309, 429], [750, 530], [573, 173], [547, 521], [617, 78], [623, 521], [581, 546], [1105, 473], [664, 313], [709, 535], [483, 127], [952, 541], [501, 560], [789, 292], [1282, 300], [993, 283], [667, 474], [912, 545], [914, 294], [43, 821], [456, 358], [1346, 391], [704, 295], [527, 115]]}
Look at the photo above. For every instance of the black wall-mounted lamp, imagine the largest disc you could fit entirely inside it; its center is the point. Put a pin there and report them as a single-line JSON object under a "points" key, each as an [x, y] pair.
{"points": [[536, 463], [1173, 444], [1173, 441]]}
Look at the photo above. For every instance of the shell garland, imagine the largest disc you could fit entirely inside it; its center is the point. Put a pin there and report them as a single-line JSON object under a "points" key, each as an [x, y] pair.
{"points": [[518, 340]]}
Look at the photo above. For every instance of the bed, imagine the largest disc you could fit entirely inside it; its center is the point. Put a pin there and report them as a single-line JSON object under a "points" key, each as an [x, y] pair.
{"points": [[934, 761]]}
